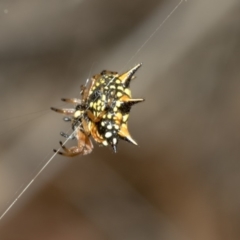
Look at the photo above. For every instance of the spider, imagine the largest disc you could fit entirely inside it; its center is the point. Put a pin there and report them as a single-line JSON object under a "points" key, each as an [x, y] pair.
{"points": [[102, 112]]}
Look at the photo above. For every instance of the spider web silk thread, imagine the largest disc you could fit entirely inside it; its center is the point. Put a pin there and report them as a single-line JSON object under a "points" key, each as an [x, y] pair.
{"points": [[52, 157], [34, 178], [150, 37], [154, 32]]}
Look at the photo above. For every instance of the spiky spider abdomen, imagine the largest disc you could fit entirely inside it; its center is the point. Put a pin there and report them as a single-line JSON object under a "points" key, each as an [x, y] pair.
{"points": [[110, 103], [101, 113]]}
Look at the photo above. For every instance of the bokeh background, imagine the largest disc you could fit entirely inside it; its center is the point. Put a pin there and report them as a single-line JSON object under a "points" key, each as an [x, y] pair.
{"points": [[183, 181]]}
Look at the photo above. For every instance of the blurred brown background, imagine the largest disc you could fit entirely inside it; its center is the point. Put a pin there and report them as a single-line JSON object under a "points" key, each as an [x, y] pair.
{"points": [[183, 181]]}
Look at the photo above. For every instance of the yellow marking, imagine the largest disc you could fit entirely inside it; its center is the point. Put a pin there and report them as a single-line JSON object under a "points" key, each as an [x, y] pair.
{"points": [[119, 94], [118, 116], [103, 97], [128, 92], [120, 88], [117, 81], [103, 108], [77, 114], [115, 109], [124, 76], [91, 104], [116, 126], [125, 117], [97, 84], [106, 88], [109, 116], [112, 87], [118, 103]]}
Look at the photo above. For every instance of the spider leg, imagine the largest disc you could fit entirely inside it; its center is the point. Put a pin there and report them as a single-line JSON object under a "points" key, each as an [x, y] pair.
{"points": [[66, 111], [85, 127], [88, 143], [85, 90], [67, 119], [67, 136], [63, 147], [84, 147], [72, 100], [95, 134], [66, 152], [94, 118]]}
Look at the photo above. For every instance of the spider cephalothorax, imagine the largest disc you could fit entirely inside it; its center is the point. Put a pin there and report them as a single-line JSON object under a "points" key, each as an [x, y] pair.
{"points": [[102, 112]]}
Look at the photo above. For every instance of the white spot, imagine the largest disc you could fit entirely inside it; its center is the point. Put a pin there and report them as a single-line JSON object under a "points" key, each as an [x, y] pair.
{"points": [[109, 126], [116, 126], [114, 141], [108, 134]]}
